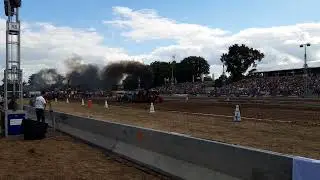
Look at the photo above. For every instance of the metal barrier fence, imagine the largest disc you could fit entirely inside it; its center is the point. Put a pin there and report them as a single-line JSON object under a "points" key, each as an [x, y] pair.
{"points": [[175, 154]]}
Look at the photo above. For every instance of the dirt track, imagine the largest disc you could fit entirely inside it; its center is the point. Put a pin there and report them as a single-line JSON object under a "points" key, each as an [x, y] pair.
{"points": [[302, 112], [61, 157], [247, 110], [291, 138]]}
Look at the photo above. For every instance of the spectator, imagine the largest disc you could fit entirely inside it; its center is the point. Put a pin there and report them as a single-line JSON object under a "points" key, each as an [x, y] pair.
{"points": [[40, 104]]}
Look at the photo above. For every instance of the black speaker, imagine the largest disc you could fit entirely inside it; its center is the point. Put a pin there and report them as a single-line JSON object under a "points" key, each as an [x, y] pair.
{"points": [[34, 130], [15, 3], [6, 4]]}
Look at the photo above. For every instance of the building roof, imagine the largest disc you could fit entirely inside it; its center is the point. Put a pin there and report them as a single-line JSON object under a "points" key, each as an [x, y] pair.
{"points": [[290, 70]]}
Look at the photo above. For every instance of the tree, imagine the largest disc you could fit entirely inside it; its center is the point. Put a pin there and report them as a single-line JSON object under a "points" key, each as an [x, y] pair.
{"points": [[161, 71], [239, 59], [183, 72], [221, 81], [191, 68]]}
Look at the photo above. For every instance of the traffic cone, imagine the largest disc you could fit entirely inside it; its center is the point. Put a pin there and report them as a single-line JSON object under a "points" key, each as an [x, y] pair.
{"points": [[55, 99], [106, 104], [187, 98], [67, 101], [82, 102], [237, 114], [152, 108]]}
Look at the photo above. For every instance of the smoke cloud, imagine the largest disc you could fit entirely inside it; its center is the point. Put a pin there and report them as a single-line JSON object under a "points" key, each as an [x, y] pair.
{"points": [[91, 77], [46, 79]]}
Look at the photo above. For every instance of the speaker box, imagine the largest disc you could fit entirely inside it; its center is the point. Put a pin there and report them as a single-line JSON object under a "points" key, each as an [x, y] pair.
{"points": [[34, 130], [6, 4], [15, 3]]}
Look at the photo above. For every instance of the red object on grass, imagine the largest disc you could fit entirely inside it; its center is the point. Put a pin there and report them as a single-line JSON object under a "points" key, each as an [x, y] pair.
{"points": [[89, 103]]}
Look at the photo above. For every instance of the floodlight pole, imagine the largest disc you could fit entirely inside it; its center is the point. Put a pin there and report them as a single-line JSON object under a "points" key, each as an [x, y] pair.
{"points": [[223, 74], [305, 66], [139, 83], [172, 78]]}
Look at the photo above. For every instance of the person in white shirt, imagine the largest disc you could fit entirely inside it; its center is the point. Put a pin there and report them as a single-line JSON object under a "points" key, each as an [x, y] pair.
{"points": [[40, 105]]}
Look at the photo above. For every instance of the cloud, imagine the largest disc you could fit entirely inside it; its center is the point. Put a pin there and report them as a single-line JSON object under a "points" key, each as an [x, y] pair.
{"points": [[280, 44], [147, 24], [45, 45]]}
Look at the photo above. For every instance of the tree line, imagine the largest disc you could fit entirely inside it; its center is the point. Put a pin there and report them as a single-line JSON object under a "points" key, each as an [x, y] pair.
{"points": [[131, 75]]}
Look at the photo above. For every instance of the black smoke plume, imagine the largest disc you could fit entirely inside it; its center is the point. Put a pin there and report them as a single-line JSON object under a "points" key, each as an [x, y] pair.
{"points": [[46, 79], [89, 77], [83, 77]]}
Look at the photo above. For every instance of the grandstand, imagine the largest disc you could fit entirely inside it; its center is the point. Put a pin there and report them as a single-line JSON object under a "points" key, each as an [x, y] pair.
{"points": [[288, 82], [288, 72]]}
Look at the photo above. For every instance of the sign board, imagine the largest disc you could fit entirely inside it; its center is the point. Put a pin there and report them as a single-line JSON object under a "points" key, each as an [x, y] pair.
{"points": [[14, 27], [15, 122]]}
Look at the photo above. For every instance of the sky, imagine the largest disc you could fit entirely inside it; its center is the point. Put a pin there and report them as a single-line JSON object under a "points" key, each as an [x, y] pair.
{"points": [[104, 31]]}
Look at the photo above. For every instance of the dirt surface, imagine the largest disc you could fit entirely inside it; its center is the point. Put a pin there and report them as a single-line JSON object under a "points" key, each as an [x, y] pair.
{"points": [[258, 111], [61, 157], [307, 113], [301, 137]]}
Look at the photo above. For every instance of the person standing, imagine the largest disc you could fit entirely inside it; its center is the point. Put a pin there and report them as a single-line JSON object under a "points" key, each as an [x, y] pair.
{"points": [[40, 105]]}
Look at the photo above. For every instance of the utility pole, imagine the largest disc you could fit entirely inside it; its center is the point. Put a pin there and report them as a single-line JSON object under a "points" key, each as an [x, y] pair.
{"points": [[305, 67], [139, 82], [172, 66], [223, 75]]}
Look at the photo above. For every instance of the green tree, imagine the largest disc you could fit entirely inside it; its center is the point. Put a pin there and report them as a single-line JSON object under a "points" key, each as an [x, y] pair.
{"points": [[221, 81], [183, 72], [192, 66], [239, 59], [160, 70]]}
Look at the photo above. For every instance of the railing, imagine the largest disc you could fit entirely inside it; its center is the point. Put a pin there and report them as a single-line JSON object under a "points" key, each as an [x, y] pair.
{"points": [[181, 156]]}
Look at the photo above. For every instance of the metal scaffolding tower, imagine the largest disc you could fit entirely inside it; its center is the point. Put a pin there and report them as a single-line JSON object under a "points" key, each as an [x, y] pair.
{"points": [[12, 74]]}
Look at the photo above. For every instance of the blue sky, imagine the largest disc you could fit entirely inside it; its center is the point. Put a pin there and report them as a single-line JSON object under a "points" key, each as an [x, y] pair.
{"points": [[231, 15], [180, 27]]}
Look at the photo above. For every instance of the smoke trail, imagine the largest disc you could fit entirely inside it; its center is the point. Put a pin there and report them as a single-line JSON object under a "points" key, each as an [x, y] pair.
{"points": [[91, 77]]}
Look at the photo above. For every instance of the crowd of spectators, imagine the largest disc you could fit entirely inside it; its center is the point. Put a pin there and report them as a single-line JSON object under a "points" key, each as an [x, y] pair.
{"points": [[183, 88], [293, 85]]}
